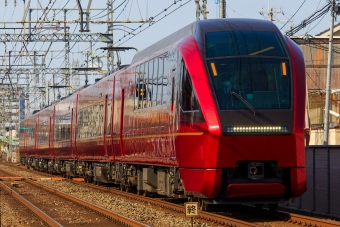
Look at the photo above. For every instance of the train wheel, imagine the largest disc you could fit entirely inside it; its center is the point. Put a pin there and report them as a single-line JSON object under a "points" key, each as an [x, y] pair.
{"points": [[89, 179], [122, 187], [146, 193], [140, 192], [192, 199], [202, 205], [273, 206]]}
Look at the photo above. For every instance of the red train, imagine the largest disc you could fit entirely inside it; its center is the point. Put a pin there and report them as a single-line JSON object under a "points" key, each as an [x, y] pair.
{"points": [[214, 112]]}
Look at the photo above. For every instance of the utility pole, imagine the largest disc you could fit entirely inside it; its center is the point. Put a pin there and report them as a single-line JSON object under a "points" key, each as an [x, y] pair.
{"points": [[329, 74], [222, 8], [201, 9], [271, 12], [40, 81], [110, 55]]}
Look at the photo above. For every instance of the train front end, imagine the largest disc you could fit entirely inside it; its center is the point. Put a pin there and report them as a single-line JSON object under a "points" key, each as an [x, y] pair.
{"points": [[255, 149]]}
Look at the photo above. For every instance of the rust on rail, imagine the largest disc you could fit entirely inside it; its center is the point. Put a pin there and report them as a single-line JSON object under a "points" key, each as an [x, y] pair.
{"points": [[115, 216], [43, 216], [11, 178], [310, 221]]}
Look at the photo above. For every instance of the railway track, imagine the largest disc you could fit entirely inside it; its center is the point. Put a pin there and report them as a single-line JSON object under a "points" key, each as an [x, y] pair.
{"points": [[14, 213], [56, 208], [235, 216], [245, 216]]}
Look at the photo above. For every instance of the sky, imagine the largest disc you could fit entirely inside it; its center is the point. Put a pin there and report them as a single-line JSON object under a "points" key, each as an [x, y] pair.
{"points": [[176, 16]]}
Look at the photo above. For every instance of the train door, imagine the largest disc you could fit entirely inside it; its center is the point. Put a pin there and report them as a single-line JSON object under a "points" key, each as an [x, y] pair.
{"points": [[121, 120], [170, 68], [108, 129], [51, 137], [71, 133], [25, 138], [36, 137]]}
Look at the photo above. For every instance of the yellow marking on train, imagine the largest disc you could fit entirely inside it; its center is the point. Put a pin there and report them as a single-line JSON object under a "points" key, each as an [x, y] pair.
{"points": [[213, 68], [284, 69], [161, 135], [261, 51], [139, 137]]}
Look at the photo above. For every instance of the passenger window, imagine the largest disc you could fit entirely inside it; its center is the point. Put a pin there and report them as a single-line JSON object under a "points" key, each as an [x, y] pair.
{"points": [[166, 91], [190, 107], [109, 115], [154, 82], [160, 81], [149, 84]]}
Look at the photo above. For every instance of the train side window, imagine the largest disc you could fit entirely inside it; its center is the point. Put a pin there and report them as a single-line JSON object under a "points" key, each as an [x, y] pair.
{"points": [[141, 88], [62, 128], [136, 86], [145, 85], [42, 137], [160, 80], [167, 74], [109, 115], [80, 123], [149, 87], [31, 136], [56, 130], [154, 82], [189, 104], [91, 121]]}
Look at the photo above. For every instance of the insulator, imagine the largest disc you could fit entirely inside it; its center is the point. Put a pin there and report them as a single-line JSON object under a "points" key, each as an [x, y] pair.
{"points": [[5, 3], [15, 3]]}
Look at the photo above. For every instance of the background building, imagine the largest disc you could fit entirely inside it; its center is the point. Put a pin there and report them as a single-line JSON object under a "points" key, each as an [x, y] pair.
{"points": [[315, 51]]}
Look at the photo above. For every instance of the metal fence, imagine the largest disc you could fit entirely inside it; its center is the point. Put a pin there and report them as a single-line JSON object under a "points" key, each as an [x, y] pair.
{"points": [[323, 182]]}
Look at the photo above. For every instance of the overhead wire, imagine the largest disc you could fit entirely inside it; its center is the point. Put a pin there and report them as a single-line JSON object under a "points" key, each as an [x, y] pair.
{"points": [[310, 19], [110, 11], [153, 22]]}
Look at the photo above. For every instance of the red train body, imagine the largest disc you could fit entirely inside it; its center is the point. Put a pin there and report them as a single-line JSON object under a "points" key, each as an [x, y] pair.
{"points": [[161, 124]]}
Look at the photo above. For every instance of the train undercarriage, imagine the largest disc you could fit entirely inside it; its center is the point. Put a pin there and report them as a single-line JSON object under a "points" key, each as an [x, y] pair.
{"points": [[131, 178], [147, 180]]}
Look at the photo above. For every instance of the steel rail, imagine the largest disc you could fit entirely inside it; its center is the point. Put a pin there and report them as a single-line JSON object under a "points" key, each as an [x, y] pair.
{"points": [[294, 218], [42, 215], [177, 208], [310, 221], [115, 216]]}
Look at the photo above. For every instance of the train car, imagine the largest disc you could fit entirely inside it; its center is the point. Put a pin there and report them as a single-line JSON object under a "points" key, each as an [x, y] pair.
{"points": [[214, 112]]}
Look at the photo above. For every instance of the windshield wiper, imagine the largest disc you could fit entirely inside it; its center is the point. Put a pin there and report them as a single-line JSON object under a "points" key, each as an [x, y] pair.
{"points": [[255, 112]]}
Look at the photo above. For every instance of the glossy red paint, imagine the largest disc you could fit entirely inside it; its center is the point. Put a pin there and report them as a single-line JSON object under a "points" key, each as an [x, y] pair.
{"points": [[202, 150], [44, 119], [298, 181], [92, 147], [62, 148], [284, 149], [156, 136], [256, 190], [299, 99], [205, 182]]}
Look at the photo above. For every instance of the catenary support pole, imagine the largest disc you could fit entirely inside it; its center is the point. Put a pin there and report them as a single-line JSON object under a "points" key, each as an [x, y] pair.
{"points": [[328, 81]]}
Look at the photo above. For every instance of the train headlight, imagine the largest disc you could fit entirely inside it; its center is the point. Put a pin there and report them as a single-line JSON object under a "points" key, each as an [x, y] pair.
{"points": [[257, 129]]}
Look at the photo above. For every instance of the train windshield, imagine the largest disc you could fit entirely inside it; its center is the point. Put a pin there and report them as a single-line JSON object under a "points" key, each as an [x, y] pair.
{"points": [[249, 70]]}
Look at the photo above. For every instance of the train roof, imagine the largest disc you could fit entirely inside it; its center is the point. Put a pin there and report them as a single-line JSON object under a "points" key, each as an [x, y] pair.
{"points": [[202, 26]]}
